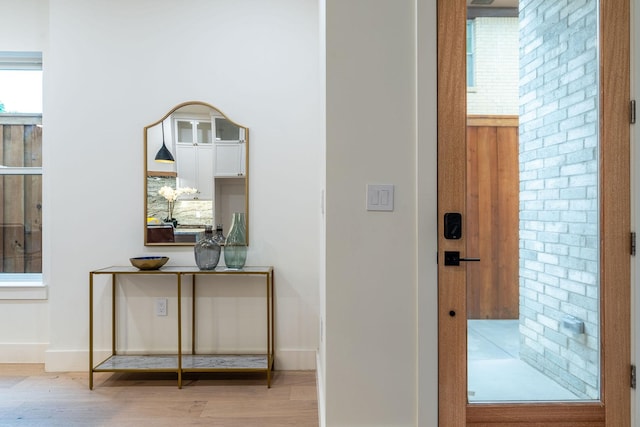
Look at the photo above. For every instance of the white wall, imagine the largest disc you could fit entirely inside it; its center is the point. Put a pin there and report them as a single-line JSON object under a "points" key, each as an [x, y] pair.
{"points": [[427, 221], [24, 25], [379, 132], [112, 67]]}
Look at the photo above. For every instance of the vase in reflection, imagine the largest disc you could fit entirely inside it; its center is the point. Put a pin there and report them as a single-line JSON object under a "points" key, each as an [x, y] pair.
{"points": [[218, 236], [207, 251], [235, 247]]}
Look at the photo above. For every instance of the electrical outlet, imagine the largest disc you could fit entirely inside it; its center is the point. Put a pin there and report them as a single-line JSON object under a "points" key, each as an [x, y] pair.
{"points": [[161, 306]]}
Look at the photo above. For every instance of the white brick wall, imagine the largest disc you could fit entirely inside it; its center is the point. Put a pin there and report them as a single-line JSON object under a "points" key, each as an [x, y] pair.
{"points": [[558, 190], [496, 67]]}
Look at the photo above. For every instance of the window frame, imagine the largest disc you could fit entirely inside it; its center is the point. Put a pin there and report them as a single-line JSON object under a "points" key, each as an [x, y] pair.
{"points": [[22, 286], [471, 57]]}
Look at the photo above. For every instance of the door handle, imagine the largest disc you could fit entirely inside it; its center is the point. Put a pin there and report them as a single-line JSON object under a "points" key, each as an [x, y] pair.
{"points": [[453, 258]]}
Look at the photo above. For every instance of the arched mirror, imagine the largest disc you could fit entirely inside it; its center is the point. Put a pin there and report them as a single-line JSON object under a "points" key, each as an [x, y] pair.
{"points": [[196, 174]]}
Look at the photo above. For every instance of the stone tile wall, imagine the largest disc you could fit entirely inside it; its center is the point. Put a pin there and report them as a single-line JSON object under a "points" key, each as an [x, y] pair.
{"points": [[187, 212]]}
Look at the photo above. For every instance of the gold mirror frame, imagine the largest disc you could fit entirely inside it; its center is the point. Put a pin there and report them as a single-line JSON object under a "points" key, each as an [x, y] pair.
{"points": [[159, 230]]}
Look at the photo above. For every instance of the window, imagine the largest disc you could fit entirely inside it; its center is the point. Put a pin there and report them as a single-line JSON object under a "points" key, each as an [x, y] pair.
{"points": [[470, 58], [21, 169]]}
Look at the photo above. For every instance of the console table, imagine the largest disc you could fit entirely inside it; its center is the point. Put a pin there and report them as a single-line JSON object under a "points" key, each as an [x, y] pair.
{"points": [[181, 362]]}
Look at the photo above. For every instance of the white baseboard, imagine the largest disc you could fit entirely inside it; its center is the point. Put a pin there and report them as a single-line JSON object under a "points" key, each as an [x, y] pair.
{"points": [[66, 360], [78, 360], [295, 360], [23, 352]]}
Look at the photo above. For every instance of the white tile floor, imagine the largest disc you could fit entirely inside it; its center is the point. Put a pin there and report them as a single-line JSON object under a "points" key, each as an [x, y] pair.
{"points": [[495, 372]]}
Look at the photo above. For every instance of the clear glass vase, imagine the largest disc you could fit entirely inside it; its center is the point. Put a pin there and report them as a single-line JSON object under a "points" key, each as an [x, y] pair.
{"points": [[218, 236], [235, 247], [207, 251]]}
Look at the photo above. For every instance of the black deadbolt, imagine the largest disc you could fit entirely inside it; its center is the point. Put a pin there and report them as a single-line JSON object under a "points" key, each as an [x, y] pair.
{"points": [[452, 225]]}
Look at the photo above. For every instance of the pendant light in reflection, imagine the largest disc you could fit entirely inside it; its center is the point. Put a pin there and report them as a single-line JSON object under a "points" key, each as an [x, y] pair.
{"points": [[164, 155]]}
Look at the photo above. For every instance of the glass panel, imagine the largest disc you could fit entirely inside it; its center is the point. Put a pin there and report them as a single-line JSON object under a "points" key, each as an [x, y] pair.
{"points": [[470, 59], [21, 167], [20, 91], [204, 133], [533, 204], [21, 226], [226, 131], [185, 131]]}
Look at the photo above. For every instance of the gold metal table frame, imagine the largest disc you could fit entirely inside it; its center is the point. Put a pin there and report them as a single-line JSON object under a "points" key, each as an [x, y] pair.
{"points": [[179, 362]]}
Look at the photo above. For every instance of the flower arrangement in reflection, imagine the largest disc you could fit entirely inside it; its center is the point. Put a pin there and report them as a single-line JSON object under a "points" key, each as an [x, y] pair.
{"points": [[172, 194]]}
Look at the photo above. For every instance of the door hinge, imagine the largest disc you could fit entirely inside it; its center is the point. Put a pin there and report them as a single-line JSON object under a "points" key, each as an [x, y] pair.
{"points": [[633, 243], [632, 112], [633, 377]]}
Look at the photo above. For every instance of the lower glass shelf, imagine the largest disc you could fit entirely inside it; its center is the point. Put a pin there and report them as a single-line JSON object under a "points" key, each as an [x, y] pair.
{"points": [[139, 362], [190, 362], [228, 362]]}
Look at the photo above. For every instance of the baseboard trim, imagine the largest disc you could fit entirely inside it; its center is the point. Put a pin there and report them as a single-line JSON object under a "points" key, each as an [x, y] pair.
{"points": [[66, 360], [295, 360], [23, 352]]}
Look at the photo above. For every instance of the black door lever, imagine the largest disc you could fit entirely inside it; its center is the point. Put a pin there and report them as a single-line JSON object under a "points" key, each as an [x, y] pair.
{"points": [[453, 258]]}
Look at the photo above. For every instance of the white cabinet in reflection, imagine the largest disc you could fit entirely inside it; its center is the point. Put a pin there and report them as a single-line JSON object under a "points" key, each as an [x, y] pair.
{"points": [[194, 170], [229, 149], [194, 152], [195, 132], [229, 159]]}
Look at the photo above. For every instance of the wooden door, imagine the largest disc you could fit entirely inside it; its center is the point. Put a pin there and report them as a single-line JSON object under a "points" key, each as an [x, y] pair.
{"points": [[612, 408]]}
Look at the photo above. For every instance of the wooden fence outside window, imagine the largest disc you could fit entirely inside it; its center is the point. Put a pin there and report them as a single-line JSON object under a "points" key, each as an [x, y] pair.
{"points": [[20, 193]]}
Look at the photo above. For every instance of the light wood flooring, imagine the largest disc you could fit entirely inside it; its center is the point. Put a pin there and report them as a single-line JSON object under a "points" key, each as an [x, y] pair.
{"points": [[31, 397]]}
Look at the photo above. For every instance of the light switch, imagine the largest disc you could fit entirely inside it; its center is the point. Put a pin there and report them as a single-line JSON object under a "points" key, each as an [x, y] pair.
{"points": [[379, 197]]}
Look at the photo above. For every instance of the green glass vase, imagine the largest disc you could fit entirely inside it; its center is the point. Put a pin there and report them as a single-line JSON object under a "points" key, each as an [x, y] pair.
{"points": [[235, 247]]}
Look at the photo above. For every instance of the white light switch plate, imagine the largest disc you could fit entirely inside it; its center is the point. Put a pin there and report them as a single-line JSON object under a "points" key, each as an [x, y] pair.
{"points": [[379, 197]]}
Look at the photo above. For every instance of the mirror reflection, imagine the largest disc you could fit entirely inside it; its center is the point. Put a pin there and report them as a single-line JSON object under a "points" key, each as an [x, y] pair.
{"points": [[196, 163]]}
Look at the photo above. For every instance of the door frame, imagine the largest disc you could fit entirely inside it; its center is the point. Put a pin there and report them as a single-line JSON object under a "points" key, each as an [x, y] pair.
{"points": [[614, 409]]}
